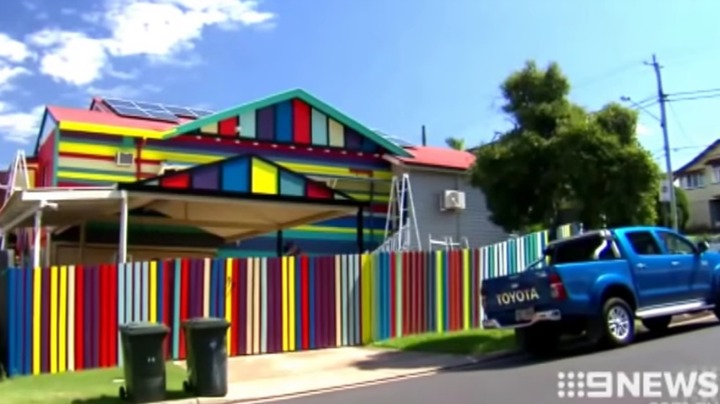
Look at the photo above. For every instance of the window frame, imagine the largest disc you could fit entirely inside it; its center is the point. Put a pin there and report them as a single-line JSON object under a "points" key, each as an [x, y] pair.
{"points": [[662, 234], [653, 237]]}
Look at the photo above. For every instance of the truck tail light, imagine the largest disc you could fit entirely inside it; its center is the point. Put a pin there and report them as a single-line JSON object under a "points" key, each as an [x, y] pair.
{"points": [[557, 289]]}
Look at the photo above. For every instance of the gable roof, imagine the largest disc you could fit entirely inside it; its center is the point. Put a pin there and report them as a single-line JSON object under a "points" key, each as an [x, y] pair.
{"points": [[62, 114], [248, 175], [286, 96], [438, 157], [700, 157]]}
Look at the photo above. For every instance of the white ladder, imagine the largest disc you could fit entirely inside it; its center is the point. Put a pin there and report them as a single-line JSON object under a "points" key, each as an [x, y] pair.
{"points": [[18, 172], [401, 222]]}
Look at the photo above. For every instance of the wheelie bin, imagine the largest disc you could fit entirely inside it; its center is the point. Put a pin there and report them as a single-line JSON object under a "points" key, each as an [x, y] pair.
{"points": [[143, 362], [205, 339]]}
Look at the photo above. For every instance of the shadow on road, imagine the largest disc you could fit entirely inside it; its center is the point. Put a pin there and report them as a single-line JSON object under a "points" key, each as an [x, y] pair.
{"points": [[420, 359]]}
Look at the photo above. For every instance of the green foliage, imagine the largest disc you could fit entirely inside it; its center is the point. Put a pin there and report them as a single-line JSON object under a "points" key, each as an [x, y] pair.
{"points": [[560, 157], [455, 143], [683, 210]]}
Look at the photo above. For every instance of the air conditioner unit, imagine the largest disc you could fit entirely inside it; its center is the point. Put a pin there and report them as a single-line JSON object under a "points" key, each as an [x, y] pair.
{"points": [[124, 159], [452, 200]]}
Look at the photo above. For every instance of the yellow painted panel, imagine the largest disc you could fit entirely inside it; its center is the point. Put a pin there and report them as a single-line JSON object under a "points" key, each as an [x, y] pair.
{"points": [[62, 320], [112, 130], [337, 135], [211, 129], [53, 319], [76, 175], [264, 177]]}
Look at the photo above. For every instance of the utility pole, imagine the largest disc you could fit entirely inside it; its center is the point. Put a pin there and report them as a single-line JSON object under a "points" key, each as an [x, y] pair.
{"points": [[662, 98]]}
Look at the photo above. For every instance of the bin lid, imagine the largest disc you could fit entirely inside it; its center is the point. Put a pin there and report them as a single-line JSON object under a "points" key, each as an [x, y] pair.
{"points": [[144, 328], [205, 322]]}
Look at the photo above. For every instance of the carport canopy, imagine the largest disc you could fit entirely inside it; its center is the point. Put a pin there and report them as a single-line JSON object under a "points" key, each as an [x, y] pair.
{"points": [[235, 199]]}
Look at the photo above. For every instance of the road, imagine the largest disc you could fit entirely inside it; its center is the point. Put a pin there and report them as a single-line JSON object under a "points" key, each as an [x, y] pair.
{"points": [[521, 380]]}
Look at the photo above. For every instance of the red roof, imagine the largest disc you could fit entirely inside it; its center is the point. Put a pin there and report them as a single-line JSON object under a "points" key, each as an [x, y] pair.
{"points": [[441, 157], [105, 118]]}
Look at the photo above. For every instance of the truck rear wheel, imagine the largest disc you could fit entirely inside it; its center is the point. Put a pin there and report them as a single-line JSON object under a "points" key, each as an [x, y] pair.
{"points": [[618, 323], [657, 324], [539, 339]]}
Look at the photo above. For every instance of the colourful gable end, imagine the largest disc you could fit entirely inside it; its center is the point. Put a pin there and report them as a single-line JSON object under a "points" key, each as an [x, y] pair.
{"points": [[301, 122]]}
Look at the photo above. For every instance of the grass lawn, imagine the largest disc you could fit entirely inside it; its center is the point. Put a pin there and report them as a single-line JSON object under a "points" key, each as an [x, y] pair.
{"points": [[84, 387], [471, 342]]}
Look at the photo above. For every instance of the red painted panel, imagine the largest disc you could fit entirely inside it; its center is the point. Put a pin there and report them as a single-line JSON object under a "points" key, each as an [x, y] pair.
{"points": [[79, 317], [305, 301], [315, 190], [46, 161], [393, 297], [228, 127], [176, 181], [301, 122]]}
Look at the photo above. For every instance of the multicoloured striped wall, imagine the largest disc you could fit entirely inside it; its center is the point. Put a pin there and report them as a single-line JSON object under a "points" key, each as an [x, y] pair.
{"points": [[247, 175], [66, 318], [89, 160], [291, 122]]}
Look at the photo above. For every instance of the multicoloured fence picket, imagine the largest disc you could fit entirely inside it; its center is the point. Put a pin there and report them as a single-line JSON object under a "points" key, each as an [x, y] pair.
{"points": [[66, 318]]}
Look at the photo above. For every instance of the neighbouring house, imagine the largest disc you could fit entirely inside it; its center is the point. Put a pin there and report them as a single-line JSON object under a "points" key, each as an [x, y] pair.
{"points": [[448, 208], [125, 180], [700, 178]]}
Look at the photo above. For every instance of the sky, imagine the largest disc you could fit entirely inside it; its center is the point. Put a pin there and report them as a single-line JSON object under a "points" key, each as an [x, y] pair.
{"points": [[393, 65]]}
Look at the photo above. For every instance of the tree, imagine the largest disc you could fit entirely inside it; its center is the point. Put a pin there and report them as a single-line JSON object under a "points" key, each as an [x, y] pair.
{"points": [[683, 210], [560, 157], [455, 143]]}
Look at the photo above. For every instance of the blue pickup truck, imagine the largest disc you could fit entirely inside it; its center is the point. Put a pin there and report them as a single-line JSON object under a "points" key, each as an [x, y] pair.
{"points": [[598, 283]]}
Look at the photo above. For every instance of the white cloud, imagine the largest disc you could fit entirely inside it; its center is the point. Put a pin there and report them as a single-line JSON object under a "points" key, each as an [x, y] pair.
{"points": [[8, 73], [123, 91], [157, 29], [642, 130], [19, 126], [12, 50], [71, 57]]}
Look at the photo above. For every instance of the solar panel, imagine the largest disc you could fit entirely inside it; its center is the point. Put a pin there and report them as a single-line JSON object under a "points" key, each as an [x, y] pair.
{"points": [[202, 112], [162, 115], [120, 103], [394, 139], [130, 112], [154, 110], [181, 111]]}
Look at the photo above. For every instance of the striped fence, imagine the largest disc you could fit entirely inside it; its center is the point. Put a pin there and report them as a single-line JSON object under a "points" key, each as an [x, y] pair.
{"points": [[66, 318]]}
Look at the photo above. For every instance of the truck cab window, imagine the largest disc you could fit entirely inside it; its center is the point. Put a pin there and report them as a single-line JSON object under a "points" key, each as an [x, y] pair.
{"points": [[675, 244], [643, 243], [581, 249]]}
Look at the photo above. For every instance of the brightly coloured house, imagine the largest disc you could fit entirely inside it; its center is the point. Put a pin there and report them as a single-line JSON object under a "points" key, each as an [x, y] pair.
{"points": [[150, 181]]}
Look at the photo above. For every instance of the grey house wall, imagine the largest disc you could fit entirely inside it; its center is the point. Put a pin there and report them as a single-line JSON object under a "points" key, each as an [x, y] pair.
{"points": [[428, 185]]}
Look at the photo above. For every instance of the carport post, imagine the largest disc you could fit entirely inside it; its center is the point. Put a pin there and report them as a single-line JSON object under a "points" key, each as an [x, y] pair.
{"points": [[37, 229], [361, 230], [122, 240]]}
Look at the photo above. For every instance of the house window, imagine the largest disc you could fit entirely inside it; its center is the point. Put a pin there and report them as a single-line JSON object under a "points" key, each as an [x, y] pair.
{"points": [[716, 174], [693, 180]]}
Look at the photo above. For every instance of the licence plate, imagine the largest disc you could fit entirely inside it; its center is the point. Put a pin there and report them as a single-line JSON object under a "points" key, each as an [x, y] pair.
{"points": [[524, 314]]}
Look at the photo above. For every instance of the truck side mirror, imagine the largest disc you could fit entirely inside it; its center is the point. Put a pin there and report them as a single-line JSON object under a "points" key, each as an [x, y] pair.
{"points": [[703, 246]]}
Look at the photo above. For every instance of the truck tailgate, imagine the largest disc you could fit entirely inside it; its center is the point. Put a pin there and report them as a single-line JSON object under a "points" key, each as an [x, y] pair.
{"points": [[527, 289]]}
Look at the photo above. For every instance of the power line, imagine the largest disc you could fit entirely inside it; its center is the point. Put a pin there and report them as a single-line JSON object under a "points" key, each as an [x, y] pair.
{"points": [[678, 123], [700, 97], [694, 92]]}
